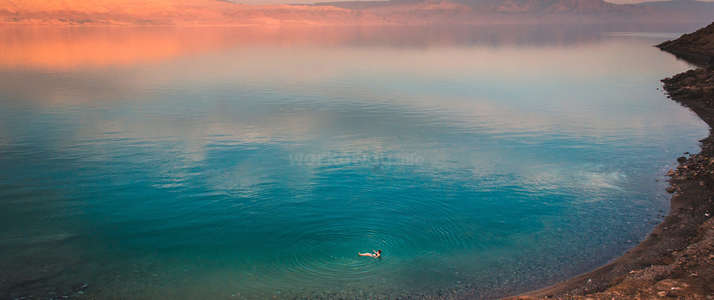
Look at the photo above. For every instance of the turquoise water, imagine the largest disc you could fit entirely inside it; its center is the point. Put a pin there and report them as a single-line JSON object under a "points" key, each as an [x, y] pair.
{"points": [[225, 163]]}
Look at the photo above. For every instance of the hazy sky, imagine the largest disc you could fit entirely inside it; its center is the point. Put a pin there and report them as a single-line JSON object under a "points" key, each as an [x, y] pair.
{"points": [[314, 1]]}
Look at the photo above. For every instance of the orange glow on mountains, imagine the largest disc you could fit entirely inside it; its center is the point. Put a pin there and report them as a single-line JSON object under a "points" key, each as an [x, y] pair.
{"points": [[163, 12], [402, 12]]}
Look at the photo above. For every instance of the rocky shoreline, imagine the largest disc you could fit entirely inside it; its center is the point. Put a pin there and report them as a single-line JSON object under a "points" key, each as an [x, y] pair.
{"points": [[677, 258]]}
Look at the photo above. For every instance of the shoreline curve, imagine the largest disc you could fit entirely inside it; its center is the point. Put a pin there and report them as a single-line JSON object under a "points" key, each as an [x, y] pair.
{"points": [[677, 258]]}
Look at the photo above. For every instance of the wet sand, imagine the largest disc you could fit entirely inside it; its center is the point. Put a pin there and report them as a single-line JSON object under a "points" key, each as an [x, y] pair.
{"points": [[677, 258]]}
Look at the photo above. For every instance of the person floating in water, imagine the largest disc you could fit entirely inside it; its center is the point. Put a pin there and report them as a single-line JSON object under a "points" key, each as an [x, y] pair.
{"points": [[375, 254]]}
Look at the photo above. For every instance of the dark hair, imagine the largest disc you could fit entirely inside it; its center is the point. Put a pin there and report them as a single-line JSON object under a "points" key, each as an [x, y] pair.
{"points": [[379, 251]]}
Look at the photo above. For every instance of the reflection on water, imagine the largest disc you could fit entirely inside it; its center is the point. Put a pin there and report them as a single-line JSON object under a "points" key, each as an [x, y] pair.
{"points": [[251, 163], [63, 48]]}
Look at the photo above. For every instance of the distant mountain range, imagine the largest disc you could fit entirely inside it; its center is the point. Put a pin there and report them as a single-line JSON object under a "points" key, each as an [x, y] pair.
{"points": [[221, 12], [676, 10]]}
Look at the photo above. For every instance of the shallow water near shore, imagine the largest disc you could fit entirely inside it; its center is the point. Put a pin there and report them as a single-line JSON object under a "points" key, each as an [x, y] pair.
{"points": [[243, 163]]}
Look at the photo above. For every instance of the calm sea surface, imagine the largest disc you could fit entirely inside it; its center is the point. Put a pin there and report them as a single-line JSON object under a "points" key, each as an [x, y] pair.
{"points": [[255, 163]]}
